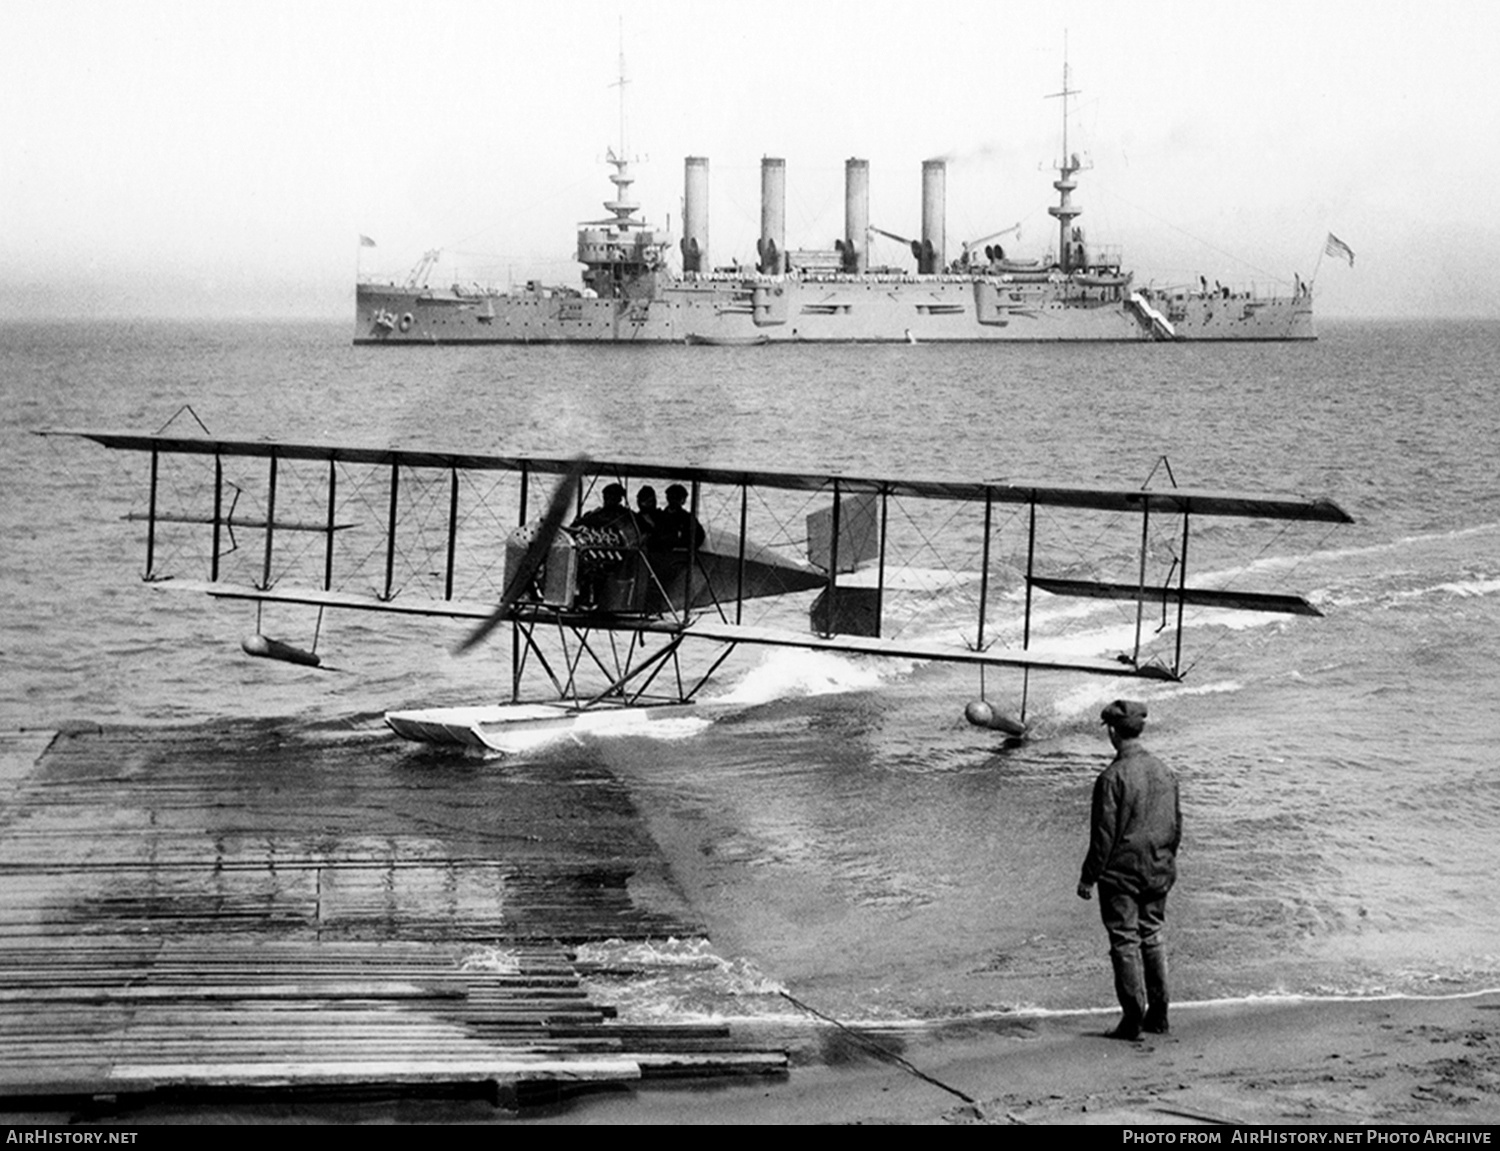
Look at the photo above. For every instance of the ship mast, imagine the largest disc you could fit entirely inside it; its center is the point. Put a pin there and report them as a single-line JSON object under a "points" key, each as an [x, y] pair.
{"points": [[1065, 210], [622, 205], [620, 84]]}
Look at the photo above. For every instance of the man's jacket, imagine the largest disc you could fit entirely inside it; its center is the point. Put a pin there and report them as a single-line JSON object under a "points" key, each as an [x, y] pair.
{"points": [[1137, 824]]}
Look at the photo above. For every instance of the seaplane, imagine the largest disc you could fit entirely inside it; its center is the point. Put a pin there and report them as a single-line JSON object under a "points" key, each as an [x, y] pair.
{"points": [[628, 612]]}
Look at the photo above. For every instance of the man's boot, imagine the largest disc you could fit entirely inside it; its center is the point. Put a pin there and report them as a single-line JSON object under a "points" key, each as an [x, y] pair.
{"points": [[1130, 989], [1155, 961]]}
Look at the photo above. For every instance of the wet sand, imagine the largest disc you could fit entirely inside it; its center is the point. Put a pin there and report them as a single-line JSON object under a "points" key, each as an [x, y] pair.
{"points": [[1389, 1061]]}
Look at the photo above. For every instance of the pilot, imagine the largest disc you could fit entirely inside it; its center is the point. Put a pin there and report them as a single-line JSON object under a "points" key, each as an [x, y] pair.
{"points": [[675, 525], [613, 512], [604, 537]]}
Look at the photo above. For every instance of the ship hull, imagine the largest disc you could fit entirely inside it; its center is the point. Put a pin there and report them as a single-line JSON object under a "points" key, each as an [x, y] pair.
{"points": [[834, 309]]}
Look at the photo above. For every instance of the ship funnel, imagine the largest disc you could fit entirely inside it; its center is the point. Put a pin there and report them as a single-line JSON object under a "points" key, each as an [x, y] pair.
{"points": [[855, 248], [772, 242], [695, 215], [930, 258]]}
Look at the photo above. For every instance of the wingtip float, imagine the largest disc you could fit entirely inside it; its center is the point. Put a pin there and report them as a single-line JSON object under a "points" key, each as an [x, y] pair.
{"points": [[982, 713], [264, 647]]}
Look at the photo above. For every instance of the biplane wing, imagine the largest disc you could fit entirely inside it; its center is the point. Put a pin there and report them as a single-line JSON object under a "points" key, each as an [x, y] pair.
{"points": [[943, 570]]}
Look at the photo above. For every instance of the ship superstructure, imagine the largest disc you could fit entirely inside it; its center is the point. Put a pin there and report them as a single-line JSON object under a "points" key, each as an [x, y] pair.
{"points": [[630, 293]]}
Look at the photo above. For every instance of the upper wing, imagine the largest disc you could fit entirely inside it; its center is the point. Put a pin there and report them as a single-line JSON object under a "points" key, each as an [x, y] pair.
{"points": [[1118, 499]]}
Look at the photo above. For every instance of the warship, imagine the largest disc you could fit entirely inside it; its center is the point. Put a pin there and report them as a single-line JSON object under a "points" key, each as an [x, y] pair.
{"points": [[640, 285]]}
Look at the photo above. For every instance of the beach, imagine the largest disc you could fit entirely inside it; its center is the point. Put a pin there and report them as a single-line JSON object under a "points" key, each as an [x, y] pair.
{"points": [[1376, 1062]]}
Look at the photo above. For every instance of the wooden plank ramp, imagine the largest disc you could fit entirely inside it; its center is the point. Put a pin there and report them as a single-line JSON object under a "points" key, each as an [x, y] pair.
{"points": [[253, 909]]}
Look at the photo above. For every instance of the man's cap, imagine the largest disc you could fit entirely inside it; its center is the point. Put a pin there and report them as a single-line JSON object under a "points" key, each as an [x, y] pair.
{"points": [[617, 490], [1127, 715], [676, 492]]}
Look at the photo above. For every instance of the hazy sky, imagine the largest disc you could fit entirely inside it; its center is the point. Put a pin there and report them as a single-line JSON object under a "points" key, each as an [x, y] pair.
{"points": [[215, 158]]}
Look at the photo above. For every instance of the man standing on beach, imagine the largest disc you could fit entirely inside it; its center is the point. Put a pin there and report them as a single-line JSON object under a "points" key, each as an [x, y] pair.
{"points": [[1136, 827]]}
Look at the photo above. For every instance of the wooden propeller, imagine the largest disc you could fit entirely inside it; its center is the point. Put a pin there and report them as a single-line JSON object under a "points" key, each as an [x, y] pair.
{"points": [[525, 571]]}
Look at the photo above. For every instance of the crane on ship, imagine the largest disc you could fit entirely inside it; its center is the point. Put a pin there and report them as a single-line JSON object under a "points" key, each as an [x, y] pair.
{"points": [[916, 246], [998, 254], [423, 268], [966, 258]]}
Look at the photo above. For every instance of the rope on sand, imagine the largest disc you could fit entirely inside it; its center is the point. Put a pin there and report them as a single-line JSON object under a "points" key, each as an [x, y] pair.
{"points": [[879, 1050]]}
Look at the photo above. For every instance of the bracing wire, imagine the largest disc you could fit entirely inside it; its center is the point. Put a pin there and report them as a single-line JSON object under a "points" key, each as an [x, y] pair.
{"points": [[1295, 564]]}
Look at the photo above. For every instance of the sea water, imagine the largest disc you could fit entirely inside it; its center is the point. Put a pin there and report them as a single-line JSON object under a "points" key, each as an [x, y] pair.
{"points": [[840, 829]]}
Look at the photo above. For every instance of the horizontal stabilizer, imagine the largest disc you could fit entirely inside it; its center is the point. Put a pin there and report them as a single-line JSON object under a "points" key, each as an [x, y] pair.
{"points": [[1198, 597]]}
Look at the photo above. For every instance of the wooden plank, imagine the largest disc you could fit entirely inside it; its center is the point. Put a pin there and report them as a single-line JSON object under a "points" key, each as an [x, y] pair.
{"points": [[323, 993], [302, 1074], [662, 1064]]}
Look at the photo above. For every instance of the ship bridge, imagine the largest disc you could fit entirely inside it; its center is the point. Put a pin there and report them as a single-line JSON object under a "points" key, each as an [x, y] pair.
{"points": [[617, 252]]}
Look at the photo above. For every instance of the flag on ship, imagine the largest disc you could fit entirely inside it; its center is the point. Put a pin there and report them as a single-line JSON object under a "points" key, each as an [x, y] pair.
{"points": [[1337, 247], [366, 242]]}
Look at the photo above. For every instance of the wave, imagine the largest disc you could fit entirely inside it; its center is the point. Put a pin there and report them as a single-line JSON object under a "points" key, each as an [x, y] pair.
{"points": [[685, 981], [1464, 589], [678, 980], [1222, 687], [1418, 589], [1083, 701], [793, 674]]}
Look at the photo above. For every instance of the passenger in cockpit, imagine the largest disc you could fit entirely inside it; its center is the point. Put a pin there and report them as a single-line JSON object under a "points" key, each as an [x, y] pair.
{"points": [[677, 529], [646, 513]]}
